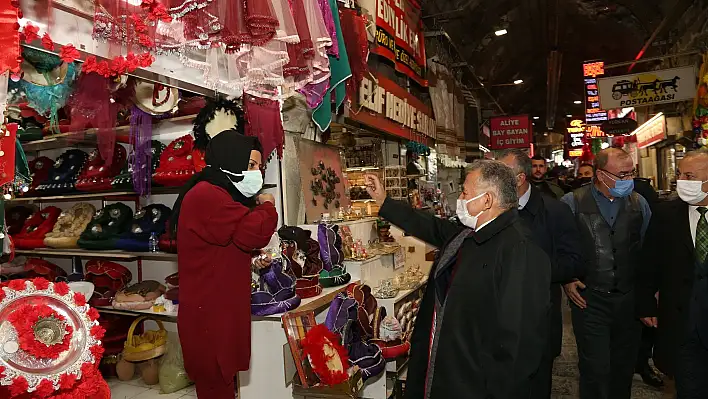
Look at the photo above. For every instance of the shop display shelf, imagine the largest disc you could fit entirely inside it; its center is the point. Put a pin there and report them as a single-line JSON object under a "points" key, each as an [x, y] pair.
{"points": [[71, 139], [79, 196], [362, 169], [113, 254], [164, 316]]}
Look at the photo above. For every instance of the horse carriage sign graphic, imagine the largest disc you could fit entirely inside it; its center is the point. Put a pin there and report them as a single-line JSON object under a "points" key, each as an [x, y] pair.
{"points": [[648, 88]]}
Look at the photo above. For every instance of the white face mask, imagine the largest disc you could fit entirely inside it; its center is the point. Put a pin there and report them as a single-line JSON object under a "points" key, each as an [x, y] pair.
{"points": [[251, 183], [464, 215], [691, 191]]}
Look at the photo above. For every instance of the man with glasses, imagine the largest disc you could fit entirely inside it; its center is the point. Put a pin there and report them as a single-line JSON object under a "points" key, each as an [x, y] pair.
{"points": [[612, 219]]}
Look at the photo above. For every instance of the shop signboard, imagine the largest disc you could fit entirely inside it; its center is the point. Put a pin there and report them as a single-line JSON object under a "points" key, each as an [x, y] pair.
{"points": [[574, 139], [510, 132], [399, 35], [651, 132], [391, 109], [594, 114], [648, 88], [619, 126]]}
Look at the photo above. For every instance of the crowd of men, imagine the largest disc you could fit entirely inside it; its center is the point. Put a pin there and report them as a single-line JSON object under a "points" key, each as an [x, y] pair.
{"points": [[633, 269]]}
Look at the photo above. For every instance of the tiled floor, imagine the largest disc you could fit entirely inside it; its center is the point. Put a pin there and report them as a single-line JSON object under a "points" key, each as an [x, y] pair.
{"points": [[136, 389]]}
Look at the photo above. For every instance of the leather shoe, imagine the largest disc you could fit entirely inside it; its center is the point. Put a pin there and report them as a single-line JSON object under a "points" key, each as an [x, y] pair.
{"points": [[650, 376]]}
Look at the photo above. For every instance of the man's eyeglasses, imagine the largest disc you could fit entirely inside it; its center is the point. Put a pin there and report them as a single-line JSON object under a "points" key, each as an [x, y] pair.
{"points": [[622, 175]]}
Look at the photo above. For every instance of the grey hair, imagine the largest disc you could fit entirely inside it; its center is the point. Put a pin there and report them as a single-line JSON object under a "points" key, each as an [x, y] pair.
{"points": [[521, 159], [603, 157], [497, 178], [696, 153]]}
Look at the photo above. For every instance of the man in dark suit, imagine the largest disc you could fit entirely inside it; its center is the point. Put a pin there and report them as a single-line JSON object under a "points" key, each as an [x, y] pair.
{"points": [[553, 228], [674, 273], [612, 219], [539, 169], [483, 322]]}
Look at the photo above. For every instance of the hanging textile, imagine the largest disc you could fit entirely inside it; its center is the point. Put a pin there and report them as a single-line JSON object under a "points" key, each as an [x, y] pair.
{"points": [[10, 56], [341, 71], [263, 121], [357, 46], [318, 79]]}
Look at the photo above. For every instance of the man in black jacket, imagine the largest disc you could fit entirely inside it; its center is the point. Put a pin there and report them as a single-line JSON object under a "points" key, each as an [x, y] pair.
{"points": [[539, 178], [482, 325], [553, 228], [674, 273], [612, 219]]}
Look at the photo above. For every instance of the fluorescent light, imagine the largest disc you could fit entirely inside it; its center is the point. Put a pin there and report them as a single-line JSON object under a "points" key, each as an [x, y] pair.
{"points": [[569, 116], [577, 102], [545, 134], [536, 117], [518, 81], [501, 32]]}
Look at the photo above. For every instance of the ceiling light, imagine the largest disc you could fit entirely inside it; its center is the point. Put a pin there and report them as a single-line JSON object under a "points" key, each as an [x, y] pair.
{"points": [[577, 102], [536, 117], [518, 81], [545, 134], [501, 32], [569, 116]]}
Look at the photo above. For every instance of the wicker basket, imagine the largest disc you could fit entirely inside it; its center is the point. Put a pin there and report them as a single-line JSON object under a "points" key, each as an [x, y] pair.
{"points": [[132, 353]]}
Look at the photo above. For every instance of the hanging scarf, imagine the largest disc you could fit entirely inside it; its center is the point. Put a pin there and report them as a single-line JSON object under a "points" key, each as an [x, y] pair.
{"points": [[10, 54]]}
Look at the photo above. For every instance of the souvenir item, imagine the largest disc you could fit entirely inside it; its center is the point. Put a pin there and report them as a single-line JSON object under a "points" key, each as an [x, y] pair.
{"points": [[217, 116], [341, 310], [274, 292], [98, 174], [29, 123], [108, 278], [148, 345], [39, 171], [36, 228], [139, 296], [340, 71], [327, 357], [388, 336], [51, 342], [16, 216], [176, 163], [69, 226], [324, 186], [124, 180], [107, 225], [41, 268], [264, 122], [62, 177], [303, 256], [362, 354], [334, 273], [367, 305], [318, 79], [148, 220], [172, 282], [386, 290], [46, 82]]}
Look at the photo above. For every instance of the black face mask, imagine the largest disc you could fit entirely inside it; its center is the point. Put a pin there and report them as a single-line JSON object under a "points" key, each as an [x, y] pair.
{"points": [[583, 180]]}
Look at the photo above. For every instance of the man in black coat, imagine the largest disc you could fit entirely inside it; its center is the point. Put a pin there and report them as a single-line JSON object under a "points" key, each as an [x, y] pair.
{"points": [[482, 325], [539, 179], [674, 273], [553, 228]]}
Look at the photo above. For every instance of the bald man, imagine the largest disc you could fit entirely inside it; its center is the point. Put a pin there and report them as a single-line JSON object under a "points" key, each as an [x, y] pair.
{"points": [[612, 219]]}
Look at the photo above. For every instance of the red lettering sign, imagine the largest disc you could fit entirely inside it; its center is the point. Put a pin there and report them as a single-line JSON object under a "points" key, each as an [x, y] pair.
{"points": [[510, 132]]}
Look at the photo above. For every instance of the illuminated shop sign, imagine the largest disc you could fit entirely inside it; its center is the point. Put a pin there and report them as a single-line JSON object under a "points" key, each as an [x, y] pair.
{"points": [[594, 115], [574, 139]]}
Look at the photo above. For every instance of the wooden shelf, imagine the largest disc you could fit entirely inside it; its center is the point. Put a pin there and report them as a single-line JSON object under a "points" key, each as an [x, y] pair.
{"points": [[73, 139], [112, 254], [164, 316], [78, 196]]}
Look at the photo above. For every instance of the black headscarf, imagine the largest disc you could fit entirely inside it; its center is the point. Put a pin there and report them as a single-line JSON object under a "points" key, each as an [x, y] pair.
{"points": [[228, 150]]}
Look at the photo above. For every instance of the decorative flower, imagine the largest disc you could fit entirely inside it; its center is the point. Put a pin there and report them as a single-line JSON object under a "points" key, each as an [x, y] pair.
{"points": [[44, 389], [93, 314], [145, 60], [103, 69], [30, 32], [69, 53], [90, 65], [2, 294], [47, 42], [97, 352], [19, 386], [79, 299], [98, 332], [145, 40], [41, 331], [17, 285], [40, 283], [119, 65], [66, 381], [61, 288]]}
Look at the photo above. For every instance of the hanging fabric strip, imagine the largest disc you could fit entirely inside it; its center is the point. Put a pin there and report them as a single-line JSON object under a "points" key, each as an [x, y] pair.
{"points": [[9, 37], [3, 95], [140, 136]]}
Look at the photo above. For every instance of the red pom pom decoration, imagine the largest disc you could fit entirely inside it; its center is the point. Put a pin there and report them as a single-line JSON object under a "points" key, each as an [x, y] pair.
{"points": [[47, 42], [40, 283], [69, 53], [30, 32], [61, 288]]}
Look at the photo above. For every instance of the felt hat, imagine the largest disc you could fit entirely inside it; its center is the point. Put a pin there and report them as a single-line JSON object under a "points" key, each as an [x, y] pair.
{"points": [[62, 177], [97, 175], [16, 216], [150, 219], [69, 226], [35, 267], [108, 278], [361, 293], [106, 227], [304, 264], [36, 228], [365, 355], [39, 171], [342, 309], [274, 292], [176, 163], [388, 335], [124, 180]]}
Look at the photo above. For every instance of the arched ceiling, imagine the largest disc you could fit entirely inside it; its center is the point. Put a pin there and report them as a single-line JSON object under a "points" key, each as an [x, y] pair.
{"points": [[581, 30]]}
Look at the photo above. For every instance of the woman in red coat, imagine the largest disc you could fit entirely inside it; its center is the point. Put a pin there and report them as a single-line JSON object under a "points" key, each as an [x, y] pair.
{"points": [[220, 221]]}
